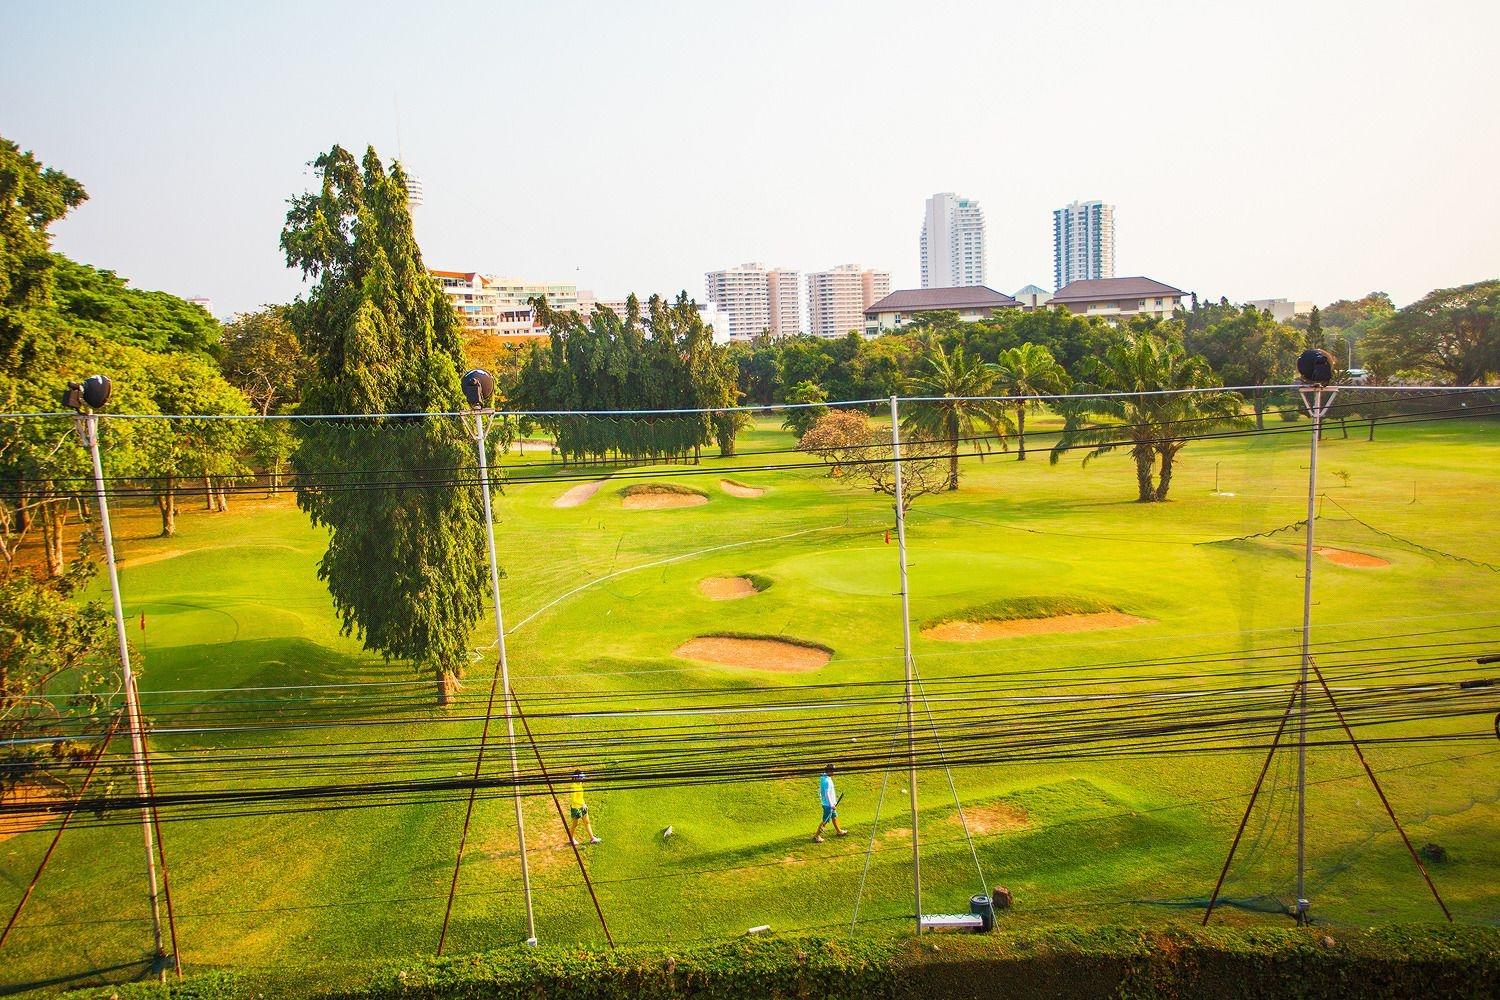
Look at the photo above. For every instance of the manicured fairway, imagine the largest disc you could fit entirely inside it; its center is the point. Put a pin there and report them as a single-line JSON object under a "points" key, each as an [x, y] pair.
{"points": [[237, 626]]}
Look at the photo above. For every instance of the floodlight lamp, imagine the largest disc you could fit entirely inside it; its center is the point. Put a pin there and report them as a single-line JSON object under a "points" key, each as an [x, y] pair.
{"points": [[1315, 366], [479, 387], [96, 391]]}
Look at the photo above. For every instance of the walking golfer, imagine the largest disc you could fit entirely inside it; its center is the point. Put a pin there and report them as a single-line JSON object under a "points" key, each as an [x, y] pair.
{"points": [[578, 810], [830, 805]]}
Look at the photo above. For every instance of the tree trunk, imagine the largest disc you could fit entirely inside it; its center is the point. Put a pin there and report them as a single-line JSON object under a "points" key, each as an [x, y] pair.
{"points": [[1164, 480], [1260, 411], [166, 503], [221, 499], [1372, 429], [54, 515], [208, 492], [1021, 432], [953, 451], [446, 683], [1144, 486]]}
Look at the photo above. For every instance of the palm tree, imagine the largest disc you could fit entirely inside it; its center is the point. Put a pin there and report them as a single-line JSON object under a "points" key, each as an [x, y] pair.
{"points": [[1029, 370], [1155, 427], [952, 410]]}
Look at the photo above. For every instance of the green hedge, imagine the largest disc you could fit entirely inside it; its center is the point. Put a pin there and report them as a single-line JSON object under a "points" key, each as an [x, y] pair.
{"points": [[1058, 962]]}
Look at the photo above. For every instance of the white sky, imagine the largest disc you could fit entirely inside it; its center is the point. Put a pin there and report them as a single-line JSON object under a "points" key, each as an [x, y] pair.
{"points": [[1310, 149]]}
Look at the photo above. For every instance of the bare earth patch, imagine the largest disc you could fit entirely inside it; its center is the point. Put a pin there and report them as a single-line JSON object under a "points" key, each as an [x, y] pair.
{"points": [[754, 654], [662, 501], [962, 631], [735, 489], [1356, 560], [994, 818], [727, 588], [24, 822], [578, 494]]}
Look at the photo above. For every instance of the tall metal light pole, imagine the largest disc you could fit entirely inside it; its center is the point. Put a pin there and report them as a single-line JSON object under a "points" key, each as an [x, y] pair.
{"points": [[908, 665], [85, 398], [1316, 368], [482, 385]]}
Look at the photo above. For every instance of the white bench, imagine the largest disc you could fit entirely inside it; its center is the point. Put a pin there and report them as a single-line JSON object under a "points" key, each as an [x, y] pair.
{"points": [[951, 922]]}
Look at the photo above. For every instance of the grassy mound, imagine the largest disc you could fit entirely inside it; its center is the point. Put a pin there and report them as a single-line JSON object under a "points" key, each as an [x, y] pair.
{"points": [[1018, 608], [660, 489]]}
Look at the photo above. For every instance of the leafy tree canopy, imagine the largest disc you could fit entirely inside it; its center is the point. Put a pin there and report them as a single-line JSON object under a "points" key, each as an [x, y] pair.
{"points": [[1452, 334], [406, 566]]}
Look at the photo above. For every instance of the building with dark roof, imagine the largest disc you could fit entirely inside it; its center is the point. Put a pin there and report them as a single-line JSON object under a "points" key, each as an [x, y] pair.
{"points": [[1119, 298], [971, 302]]}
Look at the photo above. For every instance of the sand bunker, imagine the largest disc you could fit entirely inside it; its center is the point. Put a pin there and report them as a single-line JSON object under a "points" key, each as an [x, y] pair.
{"points": [[646, 500], [962, 631], [25, 796], [578, 494], [735, 489], [994, 818], [754, 654], [727, 588], [1356, 560]]}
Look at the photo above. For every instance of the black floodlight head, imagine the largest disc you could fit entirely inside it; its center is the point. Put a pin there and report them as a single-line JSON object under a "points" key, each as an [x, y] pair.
{"points": [[479, 387], [1315, 366], [96, 390], [72, 397]]}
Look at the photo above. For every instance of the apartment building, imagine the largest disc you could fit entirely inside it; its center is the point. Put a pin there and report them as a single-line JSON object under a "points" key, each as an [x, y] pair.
{"points": [[952, 242], [756, 299], [1281, 310], [837, 298], [1083, 242], [498, 307]]}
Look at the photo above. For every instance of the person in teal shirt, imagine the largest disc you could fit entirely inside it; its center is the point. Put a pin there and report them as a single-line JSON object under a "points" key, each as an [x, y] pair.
{"points": [[830, 801]]}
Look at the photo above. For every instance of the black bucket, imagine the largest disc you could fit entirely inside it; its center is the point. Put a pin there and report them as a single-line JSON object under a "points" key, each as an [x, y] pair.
{"points": [[983, 908]]}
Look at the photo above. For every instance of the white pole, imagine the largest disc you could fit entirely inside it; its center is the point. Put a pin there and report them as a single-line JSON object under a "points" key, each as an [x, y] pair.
{"points": [[1316, 408], [88, 429], [911, 732], [481, 439]]}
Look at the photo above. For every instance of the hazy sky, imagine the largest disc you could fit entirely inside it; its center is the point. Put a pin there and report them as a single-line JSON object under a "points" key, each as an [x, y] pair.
{"points": [[1309, 149]]}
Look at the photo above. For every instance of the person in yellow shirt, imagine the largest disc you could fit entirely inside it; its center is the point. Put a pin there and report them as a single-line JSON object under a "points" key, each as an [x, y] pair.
{"points": [[578, 810]]}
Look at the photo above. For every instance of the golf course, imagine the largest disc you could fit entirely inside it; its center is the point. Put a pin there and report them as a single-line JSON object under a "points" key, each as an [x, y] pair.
{"points": [[663, 616]]}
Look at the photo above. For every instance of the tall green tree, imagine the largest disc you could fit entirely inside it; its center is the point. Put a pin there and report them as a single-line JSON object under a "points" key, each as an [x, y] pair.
{"points": [[1315, 336], [955, 414], [405, 563], [1028, 370], [1452, 334], [1249, 348], [32, 197], [1153, 424]]}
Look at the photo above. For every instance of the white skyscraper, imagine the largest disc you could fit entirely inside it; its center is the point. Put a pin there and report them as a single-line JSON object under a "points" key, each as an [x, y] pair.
{"points": [[756, 299], [837, 298], [1083, 242], [952, 242]]}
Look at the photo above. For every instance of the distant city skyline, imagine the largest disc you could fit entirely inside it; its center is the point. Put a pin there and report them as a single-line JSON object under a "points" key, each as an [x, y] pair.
{"points": [[190, 139]]}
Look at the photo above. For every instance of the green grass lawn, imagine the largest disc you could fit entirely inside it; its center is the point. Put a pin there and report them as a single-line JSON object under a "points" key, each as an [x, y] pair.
{"points": [[599, 597]]}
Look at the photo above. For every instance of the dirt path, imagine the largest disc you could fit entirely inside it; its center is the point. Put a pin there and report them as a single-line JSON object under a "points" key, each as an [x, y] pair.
{"points": [[578, 494]]}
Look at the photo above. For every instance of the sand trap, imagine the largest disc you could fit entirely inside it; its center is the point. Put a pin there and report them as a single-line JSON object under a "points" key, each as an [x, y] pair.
{"points": [[24, 822], [735, 489], [727, 588], [578, 494], [994, 818], [754, 654], [662, 501], [962, 631], [1356, 560]]}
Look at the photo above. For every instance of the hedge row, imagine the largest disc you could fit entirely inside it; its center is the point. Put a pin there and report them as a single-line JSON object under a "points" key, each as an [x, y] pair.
{"points": [[1060, 962]]}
